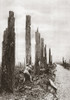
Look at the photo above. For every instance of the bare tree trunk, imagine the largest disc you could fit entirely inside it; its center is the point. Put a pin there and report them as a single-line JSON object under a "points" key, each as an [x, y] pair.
{"points": [[45, 57], [37, 52], [50, 57], [28, 39], [42, 52], [8, 55]]}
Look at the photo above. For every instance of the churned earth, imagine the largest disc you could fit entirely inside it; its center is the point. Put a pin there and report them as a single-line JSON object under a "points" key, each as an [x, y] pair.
{"points": [[32, 91], [39, 89]]}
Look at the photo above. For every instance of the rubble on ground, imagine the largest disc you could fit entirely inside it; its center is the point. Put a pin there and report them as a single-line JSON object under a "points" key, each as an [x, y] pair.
{"points": [[39, 89]]}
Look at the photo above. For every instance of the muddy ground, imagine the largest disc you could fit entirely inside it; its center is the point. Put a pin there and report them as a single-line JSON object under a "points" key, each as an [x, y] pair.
{"points": [[39, 89]]}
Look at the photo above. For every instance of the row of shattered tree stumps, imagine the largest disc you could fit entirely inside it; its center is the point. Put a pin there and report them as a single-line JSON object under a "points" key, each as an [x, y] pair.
{"points": [[65, 63], [8, 52]]}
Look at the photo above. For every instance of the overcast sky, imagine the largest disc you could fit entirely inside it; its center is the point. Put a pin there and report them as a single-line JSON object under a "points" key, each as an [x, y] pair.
{"points": [[52, 17]]}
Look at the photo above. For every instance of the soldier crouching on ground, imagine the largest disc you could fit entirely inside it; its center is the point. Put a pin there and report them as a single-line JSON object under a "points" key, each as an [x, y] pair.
{"points": [[27, 73]]}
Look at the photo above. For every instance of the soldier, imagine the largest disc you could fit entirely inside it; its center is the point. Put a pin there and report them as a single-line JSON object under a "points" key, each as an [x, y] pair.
{"points": [[27, 73]]}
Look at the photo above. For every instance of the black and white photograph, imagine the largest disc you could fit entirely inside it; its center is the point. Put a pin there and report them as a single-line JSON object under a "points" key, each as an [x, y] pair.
{"points": [[34, 49]]}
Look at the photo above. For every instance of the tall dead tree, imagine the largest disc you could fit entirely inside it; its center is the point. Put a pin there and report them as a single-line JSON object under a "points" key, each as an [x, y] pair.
{"points": [[42, 48], [37, 52], [8, 55], [42, 52], [50, 56], [28, 39], [63, 60], [45, 57], [45, 52]]}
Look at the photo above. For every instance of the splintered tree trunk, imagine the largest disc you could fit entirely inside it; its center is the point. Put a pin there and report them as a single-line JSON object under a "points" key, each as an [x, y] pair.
{"points": [[8, 55], [45, 57], [37, 52], [42, 46], [42, 52], [63, 60], [50, 57], [28, 39], [37, 67]]}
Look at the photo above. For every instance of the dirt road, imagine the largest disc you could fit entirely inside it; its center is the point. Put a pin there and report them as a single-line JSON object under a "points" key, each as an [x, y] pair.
{"points": [[63, 83]]}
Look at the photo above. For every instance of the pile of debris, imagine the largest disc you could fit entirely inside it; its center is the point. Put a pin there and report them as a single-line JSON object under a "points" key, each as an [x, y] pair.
{"points": [[42, 87]]}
